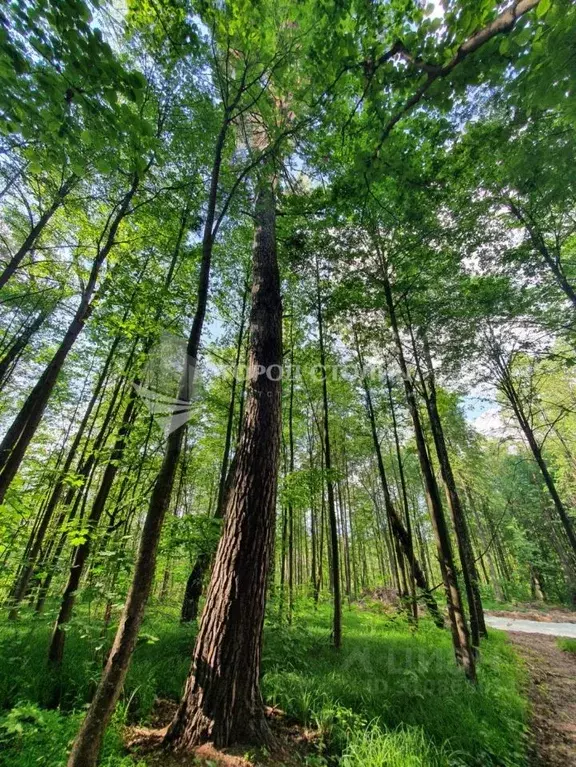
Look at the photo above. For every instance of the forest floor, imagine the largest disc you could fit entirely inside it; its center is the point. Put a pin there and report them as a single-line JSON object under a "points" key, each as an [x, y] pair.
{"points": [[552, 693], [392, 695], [294, 744]]}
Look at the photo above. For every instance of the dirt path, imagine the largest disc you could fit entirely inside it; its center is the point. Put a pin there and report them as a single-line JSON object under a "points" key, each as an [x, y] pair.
{"points": [[552, 692]]}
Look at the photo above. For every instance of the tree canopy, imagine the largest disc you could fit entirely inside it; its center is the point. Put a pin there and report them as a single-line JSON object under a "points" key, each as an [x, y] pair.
{"points": [[286, 317]]}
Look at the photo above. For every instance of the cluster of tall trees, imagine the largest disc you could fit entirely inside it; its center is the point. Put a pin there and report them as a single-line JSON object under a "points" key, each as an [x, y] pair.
{"points": [[260, 264]]}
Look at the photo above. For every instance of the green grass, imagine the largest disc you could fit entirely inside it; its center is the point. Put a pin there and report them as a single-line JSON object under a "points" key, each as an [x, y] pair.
{"points": [[568, 645], [393, 689], [31, 736], [390, 697]]}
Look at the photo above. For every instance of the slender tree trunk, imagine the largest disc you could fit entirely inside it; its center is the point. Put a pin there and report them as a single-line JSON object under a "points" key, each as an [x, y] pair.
{"points": [[36, 231], [335, 564], [552, 260], [469, 571], [413, 581], [23, 428], [315, 581], [460, 635], [509, 390], [88, 743], [283, 549], [398, 529], [82, 552], [291, 470], [12, 355], [20, 588], [222, 701], [322, 528], [345, 547]]}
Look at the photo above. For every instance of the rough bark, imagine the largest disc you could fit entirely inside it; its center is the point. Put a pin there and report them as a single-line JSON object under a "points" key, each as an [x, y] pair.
{"points": [[195, 581], [222, 701], [88, 743]]}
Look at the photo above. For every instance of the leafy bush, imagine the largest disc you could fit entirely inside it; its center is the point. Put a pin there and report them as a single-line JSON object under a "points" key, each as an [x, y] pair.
{"points": [[30, 736]]}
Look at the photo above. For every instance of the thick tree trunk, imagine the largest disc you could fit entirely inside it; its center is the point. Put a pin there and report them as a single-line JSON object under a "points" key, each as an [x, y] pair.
{"points": [[222, 701], [195, 581]]}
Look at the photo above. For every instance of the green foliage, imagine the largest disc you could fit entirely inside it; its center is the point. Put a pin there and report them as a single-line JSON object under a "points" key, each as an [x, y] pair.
{"points": [[30, 736], [401, 164], [405, 686], [567, 645], [390, 692]]}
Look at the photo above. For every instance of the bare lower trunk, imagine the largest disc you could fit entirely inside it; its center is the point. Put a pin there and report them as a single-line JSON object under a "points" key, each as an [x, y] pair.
{"points": [[56, 650], [32, 554], [333, 526], [222, 700], [400, 533], [469, 571]]}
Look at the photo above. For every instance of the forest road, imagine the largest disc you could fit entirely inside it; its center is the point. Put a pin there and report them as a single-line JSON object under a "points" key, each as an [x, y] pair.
{"points": [[551, 688], [531, 627]]}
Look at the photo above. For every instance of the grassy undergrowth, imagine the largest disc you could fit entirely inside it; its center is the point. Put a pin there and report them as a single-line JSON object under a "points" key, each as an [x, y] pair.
{"points": [[567, 645], [392, 697]]}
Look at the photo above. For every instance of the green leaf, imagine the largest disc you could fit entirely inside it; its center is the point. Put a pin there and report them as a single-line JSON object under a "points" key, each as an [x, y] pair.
{"points": [[102, 165], [543, 8], [523, 37]]}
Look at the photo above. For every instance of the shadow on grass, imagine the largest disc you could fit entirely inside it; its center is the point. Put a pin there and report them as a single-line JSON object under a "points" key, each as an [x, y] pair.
{"points": [[390, 697]]}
